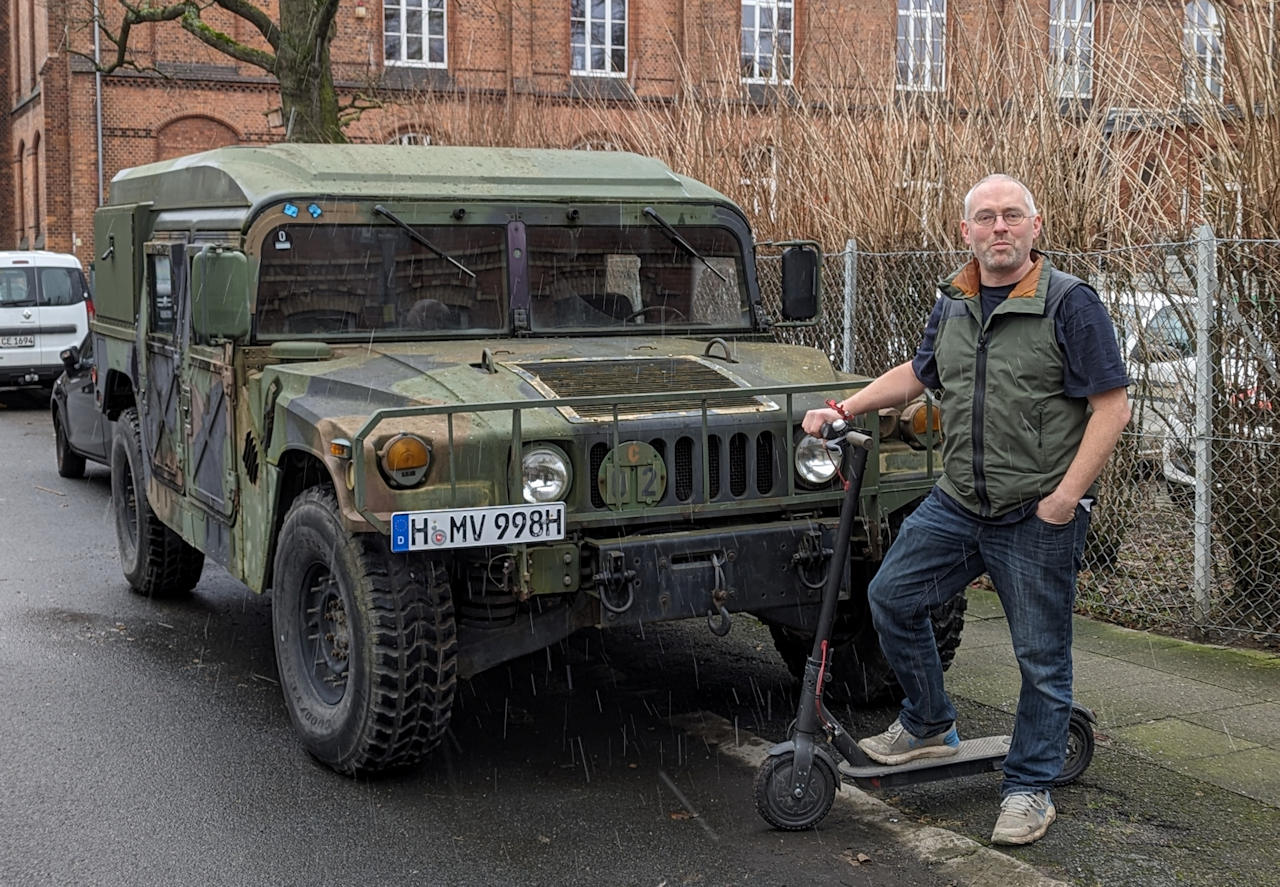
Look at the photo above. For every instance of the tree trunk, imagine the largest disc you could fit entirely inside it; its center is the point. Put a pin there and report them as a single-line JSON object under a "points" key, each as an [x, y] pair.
{"points": [[307, 96]]}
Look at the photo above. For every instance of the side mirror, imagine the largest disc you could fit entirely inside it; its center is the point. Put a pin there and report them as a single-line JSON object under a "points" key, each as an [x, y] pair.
{"points": [[220, 295], [70, 358], [800, 283]]}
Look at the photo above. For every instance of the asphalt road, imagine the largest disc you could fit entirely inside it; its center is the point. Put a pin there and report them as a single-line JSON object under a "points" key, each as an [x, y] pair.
{"points": [[147, 744]]}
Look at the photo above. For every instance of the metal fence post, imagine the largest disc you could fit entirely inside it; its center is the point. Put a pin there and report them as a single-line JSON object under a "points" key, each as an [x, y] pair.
{"points": [[850, 293], [1206, 287]]}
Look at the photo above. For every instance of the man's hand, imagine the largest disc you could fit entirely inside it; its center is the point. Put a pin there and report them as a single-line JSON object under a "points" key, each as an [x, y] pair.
{"points": [[815, 419], [1056, 510]]}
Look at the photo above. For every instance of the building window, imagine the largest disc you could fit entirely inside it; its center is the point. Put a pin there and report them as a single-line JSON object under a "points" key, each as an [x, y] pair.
{"points": [[1071, 47], [411, 137], [598, 37], [921, 30], [768, 36], [760, 181], [1202, 39], [413, 33]]}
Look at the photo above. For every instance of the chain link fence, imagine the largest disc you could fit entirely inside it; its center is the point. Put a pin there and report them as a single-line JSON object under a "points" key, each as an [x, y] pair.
{"points": [[1186, 533]]}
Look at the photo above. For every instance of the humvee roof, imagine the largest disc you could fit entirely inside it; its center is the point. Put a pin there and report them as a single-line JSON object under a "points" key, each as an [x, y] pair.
{"points": [[252, 177]]}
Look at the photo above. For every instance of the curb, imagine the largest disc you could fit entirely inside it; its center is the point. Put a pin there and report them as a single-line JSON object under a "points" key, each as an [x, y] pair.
{"points": [[955, 856]]}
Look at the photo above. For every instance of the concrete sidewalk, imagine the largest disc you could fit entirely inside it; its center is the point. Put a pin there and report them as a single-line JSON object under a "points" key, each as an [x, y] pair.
{"points": [[1205, 711]]}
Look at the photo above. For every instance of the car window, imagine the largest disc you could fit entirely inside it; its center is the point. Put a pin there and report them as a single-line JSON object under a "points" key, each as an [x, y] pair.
{"points": [[61, 286], [16, 287], [1167, 333]]}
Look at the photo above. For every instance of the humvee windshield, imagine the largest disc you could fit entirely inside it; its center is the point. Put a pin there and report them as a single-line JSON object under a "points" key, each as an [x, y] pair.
{"points": [[378, 282]]}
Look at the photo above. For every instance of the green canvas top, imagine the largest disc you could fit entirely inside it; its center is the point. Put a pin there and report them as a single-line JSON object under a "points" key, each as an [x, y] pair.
{"points": [[253, 176]]}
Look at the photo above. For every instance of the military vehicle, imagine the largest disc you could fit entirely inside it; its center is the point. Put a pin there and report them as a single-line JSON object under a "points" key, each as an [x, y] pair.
{"points": [[450, 405]]}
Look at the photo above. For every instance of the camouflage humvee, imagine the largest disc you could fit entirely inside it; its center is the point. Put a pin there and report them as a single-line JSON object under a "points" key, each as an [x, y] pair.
{"points": [[449, 405]]}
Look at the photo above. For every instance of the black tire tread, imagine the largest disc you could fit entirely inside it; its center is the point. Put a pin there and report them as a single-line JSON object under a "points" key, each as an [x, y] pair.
{"points": [[171, 568], [412, 651], [70, 463], [859, 673]]}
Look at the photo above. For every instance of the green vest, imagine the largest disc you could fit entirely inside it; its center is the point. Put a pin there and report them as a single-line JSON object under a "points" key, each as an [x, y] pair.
{"points": [[1009, 431]]}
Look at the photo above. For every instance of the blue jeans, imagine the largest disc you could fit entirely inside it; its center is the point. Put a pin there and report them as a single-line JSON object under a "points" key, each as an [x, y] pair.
{"points": [[1033, 566]]}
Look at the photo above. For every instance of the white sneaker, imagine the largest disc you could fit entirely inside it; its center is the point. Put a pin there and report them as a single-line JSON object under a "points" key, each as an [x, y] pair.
{"points": [[1024, 817]]}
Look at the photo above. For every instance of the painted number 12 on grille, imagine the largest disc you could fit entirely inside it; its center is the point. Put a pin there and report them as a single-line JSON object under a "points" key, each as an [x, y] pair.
{"points": [[471, 527]]}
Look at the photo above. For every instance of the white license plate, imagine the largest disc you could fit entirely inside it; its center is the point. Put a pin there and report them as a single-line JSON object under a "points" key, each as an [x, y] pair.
{"points": [[17, 341], [471, 527]]}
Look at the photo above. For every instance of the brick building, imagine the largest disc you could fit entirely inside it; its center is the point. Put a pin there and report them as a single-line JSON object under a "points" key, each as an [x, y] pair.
{"points": [[68, 130]]}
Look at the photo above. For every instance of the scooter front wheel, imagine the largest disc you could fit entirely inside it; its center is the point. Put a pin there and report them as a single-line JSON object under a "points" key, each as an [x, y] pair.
{"points": [[776, 800]]}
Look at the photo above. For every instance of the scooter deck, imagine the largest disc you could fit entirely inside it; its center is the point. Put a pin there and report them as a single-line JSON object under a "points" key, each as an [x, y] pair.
{"points": [[981, 755]]}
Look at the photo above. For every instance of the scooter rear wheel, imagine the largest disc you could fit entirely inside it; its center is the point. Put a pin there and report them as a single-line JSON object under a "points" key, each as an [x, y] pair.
{"points": [[1080, 747], [775, 798]]}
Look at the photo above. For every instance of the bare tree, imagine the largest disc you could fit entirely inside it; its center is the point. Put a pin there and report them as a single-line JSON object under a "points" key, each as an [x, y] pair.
{"points": [[297, 52]]}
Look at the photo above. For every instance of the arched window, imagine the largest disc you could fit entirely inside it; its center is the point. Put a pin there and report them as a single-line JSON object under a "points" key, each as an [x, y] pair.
{"points": [[1202, 41], [37, 210], [410, 137]]}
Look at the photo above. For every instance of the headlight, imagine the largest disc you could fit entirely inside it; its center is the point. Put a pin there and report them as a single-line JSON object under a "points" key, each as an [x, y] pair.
{"points": [[404, 460], [547, 475], [920, 420], [815, 464]]}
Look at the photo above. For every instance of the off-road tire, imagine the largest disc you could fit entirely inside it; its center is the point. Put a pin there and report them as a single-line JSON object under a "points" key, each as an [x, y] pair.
{"points": [[155, 560], [70, 463], [859, 673], [366, 644]]}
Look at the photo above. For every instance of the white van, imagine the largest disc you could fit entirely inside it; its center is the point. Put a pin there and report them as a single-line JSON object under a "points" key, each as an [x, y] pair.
{"points": [[44, 309]]}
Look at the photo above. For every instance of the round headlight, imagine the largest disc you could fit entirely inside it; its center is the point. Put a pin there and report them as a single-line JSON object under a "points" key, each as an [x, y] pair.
{"points": [[547, 476], [815, 464], [404, 460]]}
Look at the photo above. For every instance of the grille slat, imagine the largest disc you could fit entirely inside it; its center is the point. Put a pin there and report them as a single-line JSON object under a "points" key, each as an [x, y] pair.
{"points": [[738, 468]]}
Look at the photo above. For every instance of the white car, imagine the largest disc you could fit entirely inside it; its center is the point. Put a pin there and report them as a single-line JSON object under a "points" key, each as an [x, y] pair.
{"points": [[1158, 346], [44, 309]]}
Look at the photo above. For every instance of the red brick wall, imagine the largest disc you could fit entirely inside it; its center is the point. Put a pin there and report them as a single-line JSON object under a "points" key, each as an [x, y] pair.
{"points": [[844, 49]]}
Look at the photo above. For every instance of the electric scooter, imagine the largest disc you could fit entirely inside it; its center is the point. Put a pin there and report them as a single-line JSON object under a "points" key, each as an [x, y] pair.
{"points": [[798, 781]]}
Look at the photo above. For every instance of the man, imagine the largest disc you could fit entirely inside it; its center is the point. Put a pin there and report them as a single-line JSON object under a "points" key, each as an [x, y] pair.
{"points": [[1033, 400]]}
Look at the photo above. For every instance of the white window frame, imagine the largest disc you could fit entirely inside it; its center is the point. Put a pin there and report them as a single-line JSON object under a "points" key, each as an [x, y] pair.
{"points": [[1071, 47], [1202, 42], [922, 22], [762, 19], [434, 30], [584, 40], [760, 180]]}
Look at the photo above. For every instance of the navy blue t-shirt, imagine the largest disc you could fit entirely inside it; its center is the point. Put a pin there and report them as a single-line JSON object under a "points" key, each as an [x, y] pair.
{"points": [[1091, 356]]}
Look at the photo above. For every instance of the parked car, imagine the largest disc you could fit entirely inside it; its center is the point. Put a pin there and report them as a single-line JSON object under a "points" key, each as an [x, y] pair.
{"points": [[44, 309], [80, 429]]}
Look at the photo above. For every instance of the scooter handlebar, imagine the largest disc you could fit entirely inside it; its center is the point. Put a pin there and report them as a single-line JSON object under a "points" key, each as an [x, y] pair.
{"points": [[839, 430]]}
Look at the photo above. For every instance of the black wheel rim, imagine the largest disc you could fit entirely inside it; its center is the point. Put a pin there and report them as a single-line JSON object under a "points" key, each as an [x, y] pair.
{"points": [[60, 443], [129, 510], [325, 639], [778, 802]]}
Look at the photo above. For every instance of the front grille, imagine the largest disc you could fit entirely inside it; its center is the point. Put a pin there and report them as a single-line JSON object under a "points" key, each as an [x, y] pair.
{"points": [[573, 378], [739, 469]]}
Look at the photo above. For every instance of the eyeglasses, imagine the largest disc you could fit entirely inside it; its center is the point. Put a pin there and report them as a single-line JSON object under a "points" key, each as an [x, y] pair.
{"points": [[985, 218]]}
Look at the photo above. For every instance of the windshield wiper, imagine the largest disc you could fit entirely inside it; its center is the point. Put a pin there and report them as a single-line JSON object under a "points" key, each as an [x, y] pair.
{"points": [[674, 236], [413, 233]]}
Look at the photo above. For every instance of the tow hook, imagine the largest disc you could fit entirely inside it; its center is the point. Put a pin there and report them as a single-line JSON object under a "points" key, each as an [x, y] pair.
{"points": [[719, 594], [614, 579]]}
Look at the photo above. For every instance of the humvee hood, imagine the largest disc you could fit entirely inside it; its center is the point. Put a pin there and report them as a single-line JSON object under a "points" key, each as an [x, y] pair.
{"points": [[358, 382]]}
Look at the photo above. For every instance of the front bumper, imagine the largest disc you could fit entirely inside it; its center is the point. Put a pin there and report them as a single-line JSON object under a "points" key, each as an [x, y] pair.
{"points": [[776, 566]]}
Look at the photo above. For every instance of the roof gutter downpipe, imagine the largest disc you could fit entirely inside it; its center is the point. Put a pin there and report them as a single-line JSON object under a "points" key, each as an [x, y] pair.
{"points": [[97, 93]]}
